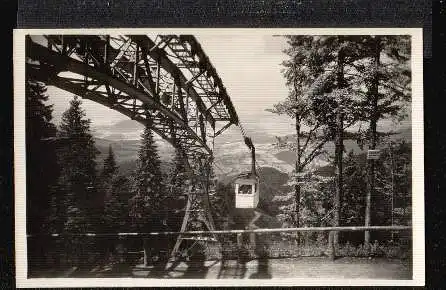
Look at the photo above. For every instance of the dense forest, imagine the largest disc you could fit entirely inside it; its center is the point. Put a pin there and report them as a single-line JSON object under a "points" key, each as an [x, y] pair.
{"points": [[338, 85]]}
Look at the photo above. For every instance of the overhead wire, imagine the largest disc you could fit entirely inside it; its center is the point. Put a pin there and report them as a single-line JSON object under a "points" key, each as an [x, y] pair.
{"points": [[258, 168]]}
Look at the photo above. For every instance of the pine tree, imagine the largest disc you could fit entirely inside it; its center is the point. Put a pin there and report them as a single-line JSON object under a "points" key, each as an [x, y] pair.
{"points": [[109, 168], [41, 167], [316, 204], [150, 188], [391, 202], [353, 205], [320, 101], [400, 167], [299, 75], [178, 185], [108, 174], [116, 195], [78, 203], [392, 191], [177, 174], [336, 97], [116, 208], [386, 75], [78, 174], [40, 155]]}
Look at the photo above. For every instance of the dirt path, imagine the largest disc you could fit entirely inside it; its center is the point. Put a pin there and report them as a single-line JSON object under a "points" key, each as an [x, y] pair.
{"points": [[343, 268]]}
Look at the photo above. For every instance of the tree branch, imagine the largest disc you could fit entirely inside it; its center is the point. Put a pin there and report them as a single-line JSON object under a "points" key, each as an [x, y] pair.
{"points": [[314, 152], [317, 126]]}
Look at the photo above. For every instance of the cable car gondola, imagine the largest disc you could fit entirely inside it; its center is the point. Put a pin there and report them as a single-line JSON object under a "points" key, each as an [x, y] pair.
{"points": [[247, 184]]}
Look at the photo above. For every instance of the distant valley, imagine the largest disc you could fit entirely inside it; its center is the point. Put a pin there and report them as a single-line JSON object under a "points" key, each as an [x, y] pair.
{"points": [[231, 156], [350, 145]]}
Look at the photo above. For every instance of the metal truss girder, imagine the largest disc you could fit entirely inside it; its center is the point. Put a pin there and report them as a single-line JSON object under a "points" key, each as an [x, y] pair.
{"points": [[159, 55], [98, 98], [121, 78], [210, 70], [122, 63], [39, 52]]}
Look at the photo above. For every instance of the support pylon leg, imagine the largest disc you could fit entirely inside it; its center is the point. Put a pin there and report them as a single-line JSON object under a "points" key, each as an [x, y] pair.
{"points": [[193, 202], [198, 200], [183, 227]]}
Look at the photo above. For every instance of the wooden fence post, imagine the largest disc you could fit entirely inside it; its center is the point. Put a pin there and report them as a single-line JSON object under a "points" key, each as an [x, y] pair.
{"points": [[331, 247]]}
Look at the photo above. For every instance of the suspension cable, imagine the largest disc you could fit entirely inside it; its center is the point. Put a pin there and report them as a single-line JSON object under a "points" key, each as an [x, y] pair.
{"points": [[258, 168]]}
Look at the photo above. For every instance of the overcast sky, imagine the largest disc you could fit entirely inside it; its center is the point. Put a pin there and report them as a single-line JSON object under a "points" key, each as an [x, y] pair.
{"points": [[249, 66]]}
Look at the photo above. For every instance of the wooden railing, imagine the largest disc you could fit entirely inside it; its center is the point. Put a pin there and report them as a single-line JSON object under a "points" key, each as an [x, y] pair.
{"points": [[331, 230]]}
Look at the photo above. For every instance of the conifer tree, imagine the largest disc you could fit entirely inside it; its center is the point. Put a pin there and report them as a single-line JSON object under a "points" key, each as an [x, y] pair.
{"points": [[386, 76], [178, 182], [177, 174], [300, 73], [77, 202], [150, 188], [392, 202], [110, 168], [116, 195], [353, 204], [149, 181], [335, 97], [41, 167], [40, 155], [319, 100], [78, 174]]}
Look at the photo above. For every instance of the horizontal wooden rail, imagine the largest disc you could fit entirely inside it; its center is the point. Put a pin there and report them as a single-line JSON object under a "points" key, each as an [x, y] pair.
{"points": [[222, 232]]}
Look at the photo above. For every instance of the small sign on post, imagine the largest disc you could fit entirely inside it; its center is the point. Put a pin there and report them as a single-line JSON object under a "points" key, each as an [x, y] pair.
{"points": [[373, 154]]}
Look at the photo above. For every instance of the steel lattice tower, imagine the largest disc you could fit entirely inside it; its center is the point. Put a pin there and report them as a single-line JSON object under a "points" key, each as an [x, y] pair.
{"points": [[166, 80]]}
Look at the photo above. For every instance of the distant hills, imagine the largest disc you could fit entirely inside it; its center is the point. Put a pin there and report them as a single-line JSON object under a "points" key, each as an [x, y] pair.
{"points": [[231, 156], [350, 145], [126, 152]]}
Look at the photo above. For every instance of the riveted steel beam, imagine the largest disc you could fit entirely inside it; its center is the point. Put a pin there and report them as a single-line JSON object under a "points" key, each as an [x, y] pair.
{"points": [[171, 68], [196, 47], [41, 53]]}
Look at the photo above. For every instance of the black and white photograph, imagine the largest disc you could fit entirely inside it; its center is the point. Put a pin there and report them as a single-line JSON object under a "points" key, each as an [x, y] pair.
{"points": [[219, 157]]}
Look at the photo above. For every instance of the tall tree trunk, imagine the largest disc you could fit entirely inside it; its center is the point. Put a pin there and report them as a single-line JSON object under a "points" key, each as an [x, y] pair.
{"points": [[297, 204], [298, 171], [339, 184], [373, 122], [339, 146]]}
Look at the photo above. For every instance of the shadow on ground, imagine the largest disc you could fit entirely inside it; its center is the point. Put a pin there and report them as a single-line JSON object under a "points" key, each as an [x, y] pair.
{"points": [[262, 270], [263, 267], [246, 267]]}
